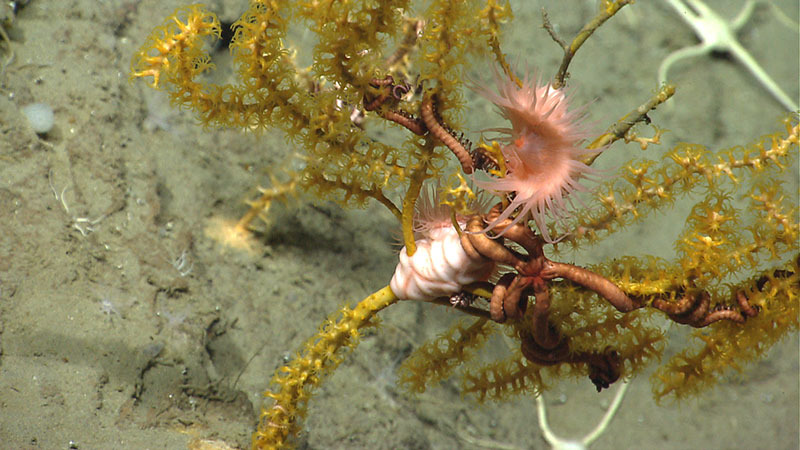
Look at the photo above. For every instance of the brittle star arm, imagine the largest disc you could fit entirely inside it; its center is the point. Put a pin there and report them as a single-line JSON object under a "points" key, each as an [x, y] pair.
{"points": [[544, 335], [428, 123], [592, 281], [695, 310], [585, 441], [429, 118], [716, 34]]}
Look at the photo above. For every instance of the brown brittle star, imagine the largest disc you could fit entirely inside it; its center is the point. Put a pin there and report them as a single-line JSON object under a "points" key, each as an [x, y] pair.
{"points": [[543, 344]]}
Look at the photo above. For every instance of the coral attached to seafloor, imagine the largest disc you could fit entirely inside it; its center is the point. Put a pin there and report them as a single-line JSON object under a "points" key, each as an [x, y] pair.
{"points": [[375, 118]]}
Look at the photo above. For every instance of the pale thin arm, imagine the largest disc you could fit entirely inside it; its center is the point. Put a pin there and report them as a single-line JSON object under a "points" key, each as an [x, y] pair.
{"points": [[610, 413], [766, 81], [677, 55], [584, 442]]}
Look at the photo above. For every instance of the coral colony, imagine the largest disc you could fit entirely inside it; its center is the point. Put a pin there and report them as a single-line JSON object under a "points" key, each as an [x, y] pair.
{"points": [[489, 247]]}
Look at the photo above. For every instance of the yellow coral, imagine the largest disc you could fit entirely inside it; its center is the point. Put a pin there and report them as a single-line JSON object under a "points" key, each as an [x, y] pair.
{"points": [[740, 238], [318, 359]]}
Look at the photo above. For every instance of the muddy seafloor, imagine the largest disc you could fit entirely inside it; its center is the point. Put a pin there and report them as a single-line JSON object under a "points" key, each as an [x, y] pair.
{"points": [[125, 324]]}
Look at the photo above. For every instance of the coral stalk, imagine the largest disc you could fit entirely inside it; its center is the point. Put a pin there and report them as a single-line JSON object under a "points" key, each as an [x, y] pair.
{"points": [[319, 358]]}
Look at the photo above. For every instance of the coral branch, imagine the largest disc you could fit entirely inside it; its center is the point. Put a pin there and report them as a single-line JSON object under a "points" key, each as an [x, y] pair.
{"points": [[569, 50], [320, 357], [621, 128]]}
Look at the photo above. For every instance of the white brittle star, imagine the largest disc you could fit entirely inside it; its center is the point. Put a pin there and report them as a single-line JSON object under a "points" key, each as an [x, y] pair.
{"points": [[717, 34]]}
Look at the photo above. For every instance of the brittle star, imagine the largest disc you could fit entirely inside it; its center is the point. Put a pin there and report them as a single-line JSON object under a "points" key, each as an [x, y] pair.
{"points": [[718, 35]]}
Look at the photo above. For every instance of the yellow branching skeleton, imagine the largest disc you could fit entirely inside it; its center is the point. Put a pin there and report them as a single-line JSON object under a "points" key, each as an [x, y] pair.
{"points": [[736, 267]]}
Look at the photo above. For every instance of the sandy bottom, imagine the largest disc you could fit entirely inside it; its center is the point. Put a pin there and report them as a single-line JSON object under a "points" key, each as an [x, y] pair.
{"points": [[124, 322]]}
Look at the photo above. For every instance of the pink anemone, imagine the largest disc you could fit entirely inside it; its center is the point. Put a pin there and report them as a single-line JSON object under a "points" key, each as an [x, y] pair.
{"points": [[543, 153]]}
